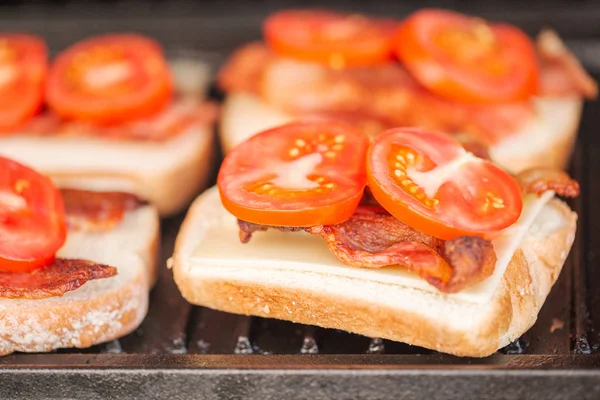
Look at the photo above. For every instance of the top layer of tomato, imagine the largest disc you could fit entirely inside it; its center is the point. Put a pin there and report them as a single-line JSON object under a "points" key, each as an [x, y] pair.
{"points": [[103, 80], [455, 56], [313, 173], [32, 218]]}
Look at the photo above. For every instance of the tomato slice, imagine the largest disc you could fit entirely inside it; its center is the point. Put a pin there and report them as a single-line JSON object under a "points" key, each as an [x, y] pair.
{"points": [[110, 79], [467, 59], [23, 69], [430, 182], [335, 39], [32, 218], [304, 173]]}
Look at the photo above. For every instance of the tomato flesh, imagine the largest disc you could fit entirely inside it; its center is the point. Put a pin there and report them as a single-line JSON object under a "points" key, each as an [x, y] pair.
{"points": [[32, 219], [23, 69], [428, 181], [467, 59], [338, 40], [300, 174], [110, 79]]}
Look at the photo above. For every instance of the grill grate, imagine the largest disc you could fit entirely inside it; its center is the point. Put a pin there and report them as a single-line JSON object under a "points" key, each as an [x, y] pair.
{"points": [[178, 340]]}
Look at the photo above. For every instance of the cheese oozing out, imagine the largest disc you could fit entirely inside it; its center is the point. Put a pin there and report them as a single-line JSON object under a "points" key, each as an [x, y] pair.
{"points": [[299, 251]]}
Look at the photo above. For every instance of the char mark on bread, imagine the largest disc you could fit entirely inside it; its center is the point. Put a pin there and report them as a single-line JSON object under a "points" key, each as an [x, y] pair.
{"points": [[63, 275], [372, 238], [539, 180], [97, 211]]}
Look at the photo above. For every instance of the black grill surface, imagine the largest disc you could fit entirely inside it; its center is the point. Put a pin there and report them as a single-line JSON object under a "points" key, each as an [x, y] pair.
{"points": [[182, 351]]}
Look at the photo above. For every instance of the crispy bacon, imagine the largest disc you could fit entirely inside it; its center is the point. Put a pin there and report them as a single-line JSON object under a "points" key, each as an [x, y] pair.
{"points": [[561, 73], [64, 275], [373, 238], [376, 98], [172, 121], [244, 68], [97, 211], [540, 180]]}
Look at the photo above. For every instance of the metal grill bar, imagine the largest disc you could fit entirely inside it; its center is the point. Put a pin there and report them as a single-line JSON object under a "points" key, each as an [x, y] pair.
{"points": [[588, 295], [214, 332]]}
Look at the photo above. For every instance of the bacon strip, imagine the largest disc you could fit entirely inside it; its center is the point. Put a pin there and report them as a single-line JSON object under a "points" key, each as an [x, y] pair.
{"points": [[385, 96], [181, 115], [244, 68], [97, 211], [64, 275], [561, 73], [373, 238], [540, 180]]}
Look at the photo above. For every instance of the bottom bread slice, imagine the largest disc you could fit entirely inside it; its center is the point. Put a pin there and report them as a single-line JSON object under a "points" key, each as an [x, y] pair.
{"points": [[375, 308], [100, 310]]}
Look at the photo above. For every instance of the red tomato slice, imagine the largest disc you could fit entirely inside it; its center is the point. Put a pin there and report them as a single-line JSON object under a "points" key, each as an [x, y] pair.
{"points": [[32, 218], [428, 181], [467, 59], [300, 174], [335, 39], [23, 68], [110, 79]]}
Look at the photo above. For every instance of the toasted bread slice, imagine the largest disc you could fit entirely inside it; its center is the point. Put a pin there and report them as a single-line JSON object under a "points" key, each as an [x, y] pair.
{"points": [[168, 173], [281, 277], [546, 141], [100, 310]]}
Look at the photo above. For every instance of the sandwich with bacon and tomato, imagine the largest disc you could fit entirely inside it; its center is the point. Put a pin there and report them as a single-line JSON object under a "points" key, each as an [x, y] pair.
{"points": [[409, 237], [76, 266], [109, 113], [488, 84]]}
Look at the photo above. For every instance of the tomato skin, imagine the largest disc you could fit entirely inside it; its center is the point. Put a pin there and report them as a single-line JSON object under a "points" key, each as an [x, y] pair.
{"points": [[475, 199], [137, 80], [468, 60], [327, 215], [25, 57], [32, 218], [336, 39], [300, 174]]}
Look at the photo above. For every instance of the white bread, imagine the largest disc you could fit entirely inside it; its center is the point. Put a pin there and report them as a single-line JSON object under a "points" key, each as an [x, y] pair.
{"points": [[100, 310], [373, 307], [168, 174], [546, 141]]}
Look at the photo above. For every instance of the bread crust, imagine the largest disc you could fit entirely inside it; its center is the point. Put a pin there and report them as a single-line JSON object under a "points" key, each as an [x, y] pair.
{"points": [[553, 151], [459, 328], [102, 318], [99, 311]]}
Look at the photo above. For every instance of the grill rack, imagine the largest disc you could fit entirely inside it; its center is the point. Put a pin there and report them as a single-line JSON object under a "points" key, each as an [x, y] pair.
{"points": [[181, 350]]}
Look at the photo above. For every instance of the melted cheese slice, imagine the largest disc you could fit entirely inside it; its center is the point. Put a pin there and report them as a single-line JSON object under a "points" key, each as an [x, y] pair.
{"points": [[299, 251]]}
